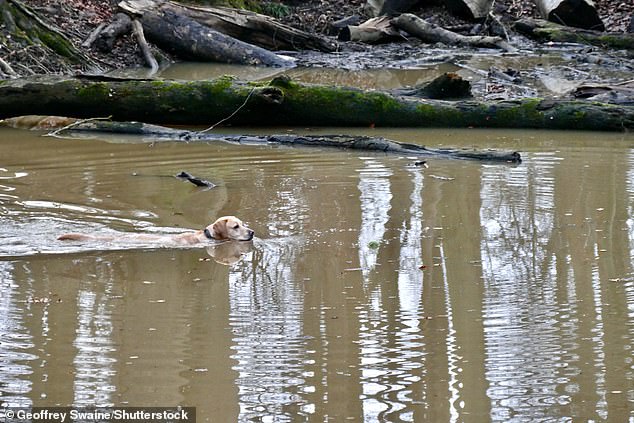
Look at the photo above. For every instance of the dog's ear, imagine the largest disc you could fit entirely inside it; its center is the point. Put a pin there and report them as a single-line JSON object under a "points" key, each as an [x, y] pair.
{"points": [[219, 229]]}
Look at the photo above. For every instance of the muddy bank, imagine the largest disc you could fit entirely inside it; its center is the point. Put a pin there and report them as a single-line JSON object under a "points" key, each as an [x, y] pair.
{"points": [[536, 69], [79, 18]]}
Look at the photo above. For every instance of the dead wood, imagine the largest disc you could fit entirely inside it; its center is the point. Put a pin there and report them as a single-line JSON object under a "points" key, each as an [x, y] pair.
{"points": [[542, 30], [92, 37], [577, 13], [432, 33], [121, 24], [249, 27], [621, 93], [334, 28], [447, 86], [153, 133], [137, 29], [191, 40], [372, 31], [283, 102]]}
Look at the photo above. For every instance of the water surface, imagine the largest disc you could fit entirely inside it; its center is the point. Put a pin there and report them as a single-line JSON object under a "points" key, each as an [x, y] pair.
{"points": [[375, 290]]}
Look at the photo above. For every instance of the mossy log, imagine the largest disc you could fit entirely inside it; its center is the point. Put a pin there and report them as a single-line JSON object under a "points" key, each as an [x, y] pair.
{"points": [[542, 30], [283, 102]]}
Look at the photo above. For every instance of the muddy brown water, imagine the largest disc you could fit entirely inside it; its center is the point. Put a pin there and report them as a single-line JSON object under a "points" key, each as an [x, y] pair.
{"points": [[374, 291]]}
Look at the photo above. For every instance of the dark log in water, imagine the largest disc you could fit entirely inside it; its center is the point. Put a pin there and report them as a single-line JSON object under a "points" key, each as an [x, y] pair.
{"points": [[378, 144]]}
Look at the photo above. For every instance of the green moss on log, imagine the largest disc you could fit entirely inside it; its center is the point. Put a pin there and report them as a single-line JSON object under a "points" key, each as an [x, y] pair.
{"points": [[288, 103], [59, 44], [97, 91]]}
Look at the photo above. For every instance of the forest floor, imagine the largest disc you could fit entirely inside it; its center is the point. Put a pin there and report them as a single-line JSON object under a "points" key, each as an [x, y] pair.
{"points": [[79, 18], [314, 15]]}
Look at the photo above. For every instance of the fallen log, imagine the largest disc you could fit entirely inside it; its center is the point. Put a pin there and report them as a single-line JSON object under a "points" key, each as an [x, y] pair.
{"points": [[335, 27], [154, 133], [121, 24], [542, 30], [191, 40], [577, 13], [283, 102], [620, 93], [375, 30], [449, 85], [92, 37], [246, 26], [430, 32]]}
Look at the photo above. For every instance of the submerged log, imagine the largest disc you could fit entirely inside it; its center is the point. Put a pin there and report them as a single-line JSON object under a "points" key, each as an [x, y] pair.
{"points": [[548, 31], [577, 13], [286, 103], [153, 133], [246, 26], [430, 32]]}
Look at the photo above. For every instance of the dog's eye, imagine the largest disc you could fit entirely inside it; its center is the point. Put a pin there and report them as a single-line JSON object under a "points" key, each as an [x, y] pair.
{"points": [[236, 226]]}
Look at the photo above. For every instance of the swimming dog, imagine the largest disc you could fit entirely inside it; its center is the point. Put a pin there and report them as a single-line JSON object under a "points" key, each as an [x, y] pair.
{"points": [[223, 229]]}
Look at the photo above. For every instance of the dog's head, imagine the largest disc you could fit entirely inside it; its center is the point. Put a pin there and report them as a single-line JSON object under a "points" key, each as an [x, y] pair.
{"points": [[228, 227]]}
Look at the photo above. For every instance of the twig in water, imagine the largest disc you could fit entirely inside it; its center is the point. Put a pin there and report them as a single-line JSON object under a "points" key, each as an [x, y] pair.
{"points": [[56, 132], [232, 114]]}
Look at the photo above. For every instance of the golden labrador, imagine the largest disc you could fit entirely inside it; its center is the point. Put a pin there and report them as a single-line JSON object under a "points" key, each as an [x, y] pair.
{"points": [[223, 229]]}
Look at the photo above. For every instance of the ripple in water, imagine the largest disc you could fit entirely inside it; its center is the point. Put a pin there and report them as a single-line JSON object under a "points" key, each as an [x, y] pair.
{"points": [[15, 344], [269, 344]]}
